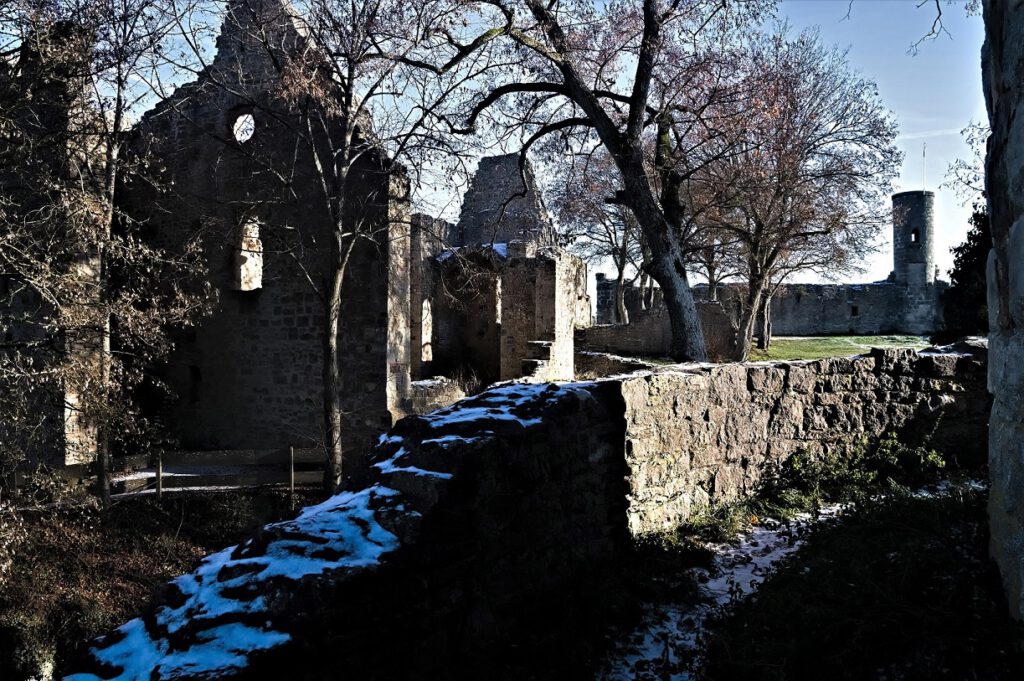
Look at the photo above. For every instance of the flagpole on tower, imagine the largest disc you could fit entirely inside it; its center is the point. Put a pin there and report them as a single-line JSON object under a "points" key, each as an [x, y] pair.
{"points": [[924, 164]]}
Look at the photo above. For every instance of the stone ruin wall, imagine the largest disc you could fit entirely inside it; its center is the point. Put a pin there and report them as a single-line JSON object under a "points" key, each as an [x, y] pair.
{"points": [[508, 509], [1003, 75], [837, 309], [494, 295], [499, 208], [649, 334], [709, 434], [250, 375]]}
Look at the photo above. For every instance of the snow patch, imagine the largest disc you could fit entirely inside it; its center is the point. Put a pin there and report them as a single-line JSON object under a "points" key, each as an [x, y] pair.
{"points": [[667, 641], [226, 591]]}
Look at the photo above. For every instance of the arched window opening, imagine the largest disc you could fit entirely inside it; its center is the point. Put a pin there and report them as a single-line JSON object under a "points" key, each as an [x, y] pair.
{"points": [[854, 311], [243, 127], [248, 261]]}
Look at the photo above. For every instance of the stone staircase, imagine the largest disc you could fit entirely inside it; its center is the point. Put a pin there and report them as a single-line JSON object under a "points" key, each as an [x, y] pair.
{"points": [[538, 354]]}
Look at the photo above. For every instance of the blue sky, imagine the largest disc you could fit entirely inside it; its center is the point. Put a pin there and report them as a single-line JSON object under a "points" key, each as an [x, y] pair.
{"points": [[934, 93]]}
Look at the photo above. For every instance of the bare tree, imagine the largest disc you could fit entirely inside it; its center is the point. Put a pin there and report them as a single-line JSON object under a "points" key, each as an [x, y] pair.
{"points": [[967, 176], [649, 81], [598, 227], [359, 83], [817, 161], [87, 303]]}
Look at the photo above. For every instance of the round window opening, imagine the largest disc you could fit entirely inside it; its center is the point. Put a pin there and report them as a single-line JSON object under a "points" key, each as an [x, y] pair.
{"points": [[243, 127]]}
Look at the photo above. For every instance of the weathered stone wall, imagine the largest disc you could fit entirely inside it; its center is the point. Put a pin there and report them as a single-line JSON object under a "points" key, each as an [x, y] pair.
{"points": [[431, 394], [649, 334], [1003, 74], [499, 207], [467, 314], [909, 302], [485, 532], [694, 436], [506, 315], [835, 309], [250, 376], [428, 237]]}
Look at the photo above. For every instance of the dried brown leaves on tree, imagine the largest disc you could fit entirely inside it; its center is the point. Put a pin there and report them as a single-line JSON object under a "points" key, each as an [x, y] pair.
{"points": [[806, 184], [652, 82]]}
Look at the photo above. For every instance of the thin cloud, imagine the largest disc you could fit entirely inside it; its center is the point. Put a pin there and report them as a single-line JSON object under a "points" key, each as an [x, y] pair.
{"points": [[940, 132]]}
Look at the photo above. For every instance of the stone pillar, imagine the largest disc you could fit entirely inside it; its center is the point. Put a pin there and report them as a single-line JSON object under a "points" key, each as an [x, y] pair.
{"points": [[1003, 74], [398, 311]]}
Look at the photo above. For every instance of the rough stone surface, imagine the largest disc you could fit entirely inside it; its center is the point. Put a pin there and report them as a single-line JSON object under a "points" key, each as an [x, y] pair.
{"points": [[707, 434], [433, 393], [250, 376], [1003, 75], [499, 207], [481, 526], [500, 300]]}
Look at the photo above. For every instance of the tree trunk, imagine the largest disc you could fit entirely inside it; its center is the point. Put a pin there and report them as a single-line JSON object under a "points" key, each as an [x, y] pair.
{"points": [[764, 322], [332, 376], [103, 432], [644, 278], [621, 313], [712, 287], [750, 313], [687, 334]]}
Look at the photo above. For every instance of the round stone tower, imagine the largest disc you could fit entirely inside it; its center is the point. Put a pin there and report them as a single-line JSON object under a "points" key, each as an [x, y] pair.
{"points": [[913, 231]]}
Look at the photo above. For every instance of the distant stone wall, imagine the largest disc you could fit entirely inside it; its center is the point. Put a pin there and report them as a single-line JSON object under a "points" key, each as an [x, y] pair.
{"points": [[1003, 74], [649, 334], [833, 309], [695, 436]]}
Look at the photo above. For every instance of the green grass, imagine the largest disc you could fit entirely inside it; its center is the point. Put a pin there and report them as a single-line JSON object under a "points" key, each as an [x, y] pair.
{"points": [[818, 347]]}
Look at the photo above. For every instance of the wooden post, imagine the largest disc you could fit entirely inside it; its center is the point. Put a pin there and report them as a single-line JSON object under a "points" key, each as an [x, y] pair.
{"points": [[291, 472], [160, 474]]}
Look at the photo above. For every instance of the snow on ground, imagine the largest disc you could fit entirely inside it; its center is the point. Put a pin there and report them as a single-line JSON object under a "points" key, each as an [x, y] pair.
{"points": [[222, 612], [666, 644]]}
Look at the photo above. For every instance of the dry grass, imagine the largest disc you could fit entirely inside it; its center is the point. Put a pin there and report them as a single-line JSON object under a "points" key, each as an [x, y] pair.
{"points": [[79, 572]]}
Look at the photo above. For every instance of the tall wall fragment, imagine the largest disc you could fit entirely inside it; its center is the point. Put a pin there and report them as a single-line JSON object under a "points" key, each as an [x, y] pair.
{"points": [[1003, 77]]}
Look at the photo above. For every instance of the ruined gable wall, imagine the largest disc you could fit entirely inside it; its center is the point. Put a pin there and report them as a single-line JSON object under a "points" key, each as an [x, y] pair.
{"points": [[1003, 73], [250, 376], [493, 211]]}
